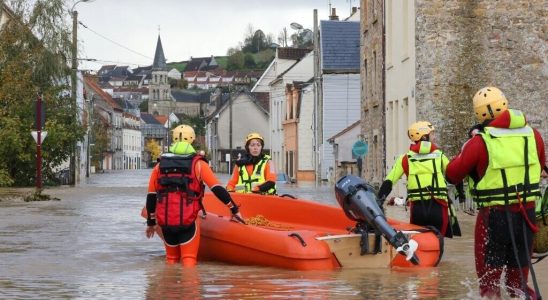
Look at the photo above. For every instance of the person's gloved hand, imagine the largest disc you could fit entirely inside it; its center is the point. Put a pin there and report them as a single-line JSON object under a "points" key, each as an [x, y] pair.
{"points": [[474, 130], [461, 196], [384, 191], [236, 215], [265, 187]]}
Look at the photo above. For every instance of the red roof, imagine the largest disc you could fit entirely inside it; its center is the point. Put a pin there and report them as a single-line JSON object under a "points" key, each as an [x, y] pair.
{"points": [[161, 118], [90, 82]]}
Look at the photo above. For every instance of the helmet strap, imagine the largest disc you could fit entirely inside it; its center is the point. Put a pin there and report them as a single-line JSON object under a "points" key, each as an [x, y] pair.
{"points": [[490, 111]]}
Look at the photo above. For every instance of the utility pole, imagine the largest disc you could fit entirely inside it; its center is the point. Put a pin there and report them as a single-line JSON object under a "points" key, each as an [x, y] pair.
{"points": [[39, 143], [73, 164], [383, 113], [230, 132], [317, 101], [73, 157]]}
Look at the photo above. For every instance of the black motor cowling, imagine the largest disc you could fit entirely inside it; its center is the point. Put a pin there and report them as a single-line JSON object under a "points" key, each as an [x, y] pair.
{"points": [[359, 202]]}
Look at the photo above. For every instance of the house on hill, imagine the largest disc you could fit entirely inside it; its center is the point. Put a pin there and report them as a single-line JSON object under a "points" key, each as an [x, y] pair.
{"points": [[201, 64]]}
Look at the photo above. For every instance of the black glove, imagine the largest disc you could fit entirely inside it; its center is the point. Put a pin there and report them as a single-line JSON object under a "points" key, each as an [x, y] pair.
{"points": [[233, 207], [475, 130], [385, 189], [460, 192], [265, 187], [151, 222]]}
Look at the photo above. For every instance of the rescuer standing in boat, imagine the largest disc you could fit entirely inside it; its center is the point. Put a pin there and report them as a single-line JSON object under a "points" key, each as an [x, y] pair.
{"points": [[504, 160], [424, 165], [175, 192], [254, 172]]}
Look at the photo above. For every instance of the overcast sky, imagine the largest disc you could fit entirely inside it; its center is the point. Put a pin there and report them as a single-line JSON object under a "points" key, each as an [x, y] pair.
{"points": [[187, 27]]}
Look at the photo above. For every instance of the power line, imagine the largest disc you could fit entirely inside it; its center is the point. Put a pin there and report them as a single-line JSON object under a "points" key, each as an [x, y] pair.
{"points": [[98, 60], [116, 43]]}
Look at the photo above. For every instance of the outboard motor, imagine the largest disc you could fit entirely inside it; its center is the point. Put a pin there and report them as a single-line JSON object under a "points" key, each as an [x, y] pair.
{"points": [[359, 203]]}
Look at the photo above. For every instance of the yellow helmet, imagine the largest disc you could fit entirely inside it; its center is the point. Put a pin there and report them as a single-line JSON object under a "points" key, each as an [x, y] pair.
{"points": [[254, 135], [183, 133], [489, 103], [419, 129], [251, 136]]}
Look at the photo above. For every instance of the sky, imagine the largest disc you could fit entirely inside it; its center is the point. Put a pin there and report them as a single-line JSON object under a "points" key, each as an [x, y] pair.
{"points": [[124, 32]]}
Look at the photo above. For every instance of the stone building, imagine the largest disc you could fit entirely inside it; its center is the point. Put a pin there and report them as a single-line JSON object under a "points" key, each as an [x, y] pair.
{"points": [[437, 54], [372, 90]]}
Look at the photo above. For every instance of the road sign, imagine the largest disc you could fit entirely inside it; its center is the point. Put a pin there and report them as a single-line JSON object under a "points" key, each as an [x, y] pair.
{"points": [[360, 148], [43, 135]]}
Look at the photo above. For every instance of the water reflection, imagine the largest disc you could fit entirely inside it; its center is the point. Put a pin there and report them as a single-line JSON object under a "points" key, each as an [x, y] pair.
{"points": [[91, 245]]}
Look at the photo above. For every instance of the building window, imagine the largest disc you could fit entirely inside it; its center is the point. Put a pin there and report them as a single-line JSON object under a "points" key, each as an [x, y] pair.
{"points": [[366, 84], [374, 75]]}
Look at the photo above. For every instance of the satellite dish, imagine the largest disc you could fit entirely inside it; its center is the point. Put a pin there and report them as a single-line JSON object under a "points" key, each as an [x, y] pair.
{"points": [[296, 26]]}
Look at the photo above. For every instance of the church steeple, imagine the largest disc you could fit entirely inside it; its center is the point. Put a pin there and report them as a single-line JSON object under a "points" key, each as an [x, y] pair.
{"points": [[159, 58], [159, 91]]}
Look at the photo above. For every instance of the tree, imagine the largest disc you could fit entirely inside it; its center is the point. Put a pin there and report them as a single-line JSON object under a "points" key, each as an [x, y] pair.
{"points": [[249, 61], [100, 140], [143, 107], [178, 83], [154, 149], [32, 64], [235, 61], [282, 37], [303, 38]]}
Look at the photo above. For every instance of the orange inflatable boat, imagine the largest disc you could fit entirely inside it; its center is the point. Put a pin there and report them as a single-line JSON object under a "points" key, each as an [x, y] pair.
{"points": [[302, 235]]}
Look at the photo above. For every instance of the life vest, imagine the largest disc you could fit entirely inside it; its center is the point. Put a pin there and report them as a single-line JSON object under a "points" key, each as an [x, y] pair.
{"points": [[247, 182], [425, 180], [179, 197], [513, 172]]}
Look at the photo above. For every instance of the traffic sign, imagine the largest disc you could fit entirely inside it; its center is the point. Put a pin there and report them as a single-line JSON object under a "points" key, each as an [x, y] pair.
{"points": [[43, 135], [360, 148]]}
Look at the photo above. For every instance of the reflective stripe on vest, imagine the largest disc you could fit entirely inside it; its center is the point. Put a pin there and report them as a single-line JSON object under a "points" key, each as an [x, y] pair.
{"points": [[425, 180], [257, 177], [508, 176]]}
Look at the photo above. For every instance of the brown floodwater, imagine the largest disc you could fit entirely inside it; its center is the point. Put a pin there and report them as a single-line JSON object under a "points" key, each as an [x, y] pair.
{"points": [[91, 245]]}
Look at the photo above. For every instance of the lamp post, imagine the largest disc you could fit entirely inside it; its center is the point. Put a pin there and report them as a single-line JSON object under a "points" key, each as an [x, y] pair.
{"points": [[89, 133], [74, 67], [304, 35]]}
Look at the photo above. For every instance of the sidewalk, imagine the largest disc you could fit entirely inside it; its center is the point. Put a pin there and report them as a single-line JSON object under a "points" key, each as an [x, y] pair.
{"points": [[7, 193]]}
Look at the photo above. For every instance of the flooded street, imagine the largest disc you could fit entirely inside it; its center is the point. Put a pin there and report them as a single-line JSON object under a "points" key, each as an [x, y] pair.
{"points": [[91, 245]]}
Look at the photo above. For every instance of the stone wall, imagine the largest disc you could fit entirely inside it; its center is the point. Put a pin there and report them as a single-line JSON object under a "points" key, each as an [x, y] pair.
{"points": [[372, 115], [464, 45]]}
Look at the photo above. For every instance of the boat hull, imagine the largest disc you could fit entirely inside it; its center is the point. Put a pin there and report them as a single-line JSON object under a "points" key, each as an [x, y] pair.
{"points": [[301, 235]]}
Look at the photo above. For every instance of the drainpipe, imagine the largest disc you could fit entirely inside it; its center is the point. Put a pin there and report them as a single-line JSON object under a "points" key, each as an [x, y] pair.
{"points": [[383, 113]]}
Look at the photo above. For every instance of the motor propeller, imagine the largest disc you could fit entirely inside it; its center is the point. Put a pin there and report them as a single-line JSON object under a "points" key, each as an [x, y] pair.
{"points": [[359, 202]]}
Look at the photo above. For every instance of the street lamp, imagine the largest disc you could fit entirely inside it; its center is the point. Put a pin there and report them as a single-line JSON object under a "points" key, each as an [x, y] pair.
{"points": [[304, 34], [296, 26], [74, 15], [89, 133]]}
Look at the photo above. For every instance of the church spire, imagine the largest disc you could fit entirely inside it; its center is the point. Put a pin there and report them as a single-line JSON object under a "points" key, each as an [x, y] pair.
{"points": [[159, 58]]}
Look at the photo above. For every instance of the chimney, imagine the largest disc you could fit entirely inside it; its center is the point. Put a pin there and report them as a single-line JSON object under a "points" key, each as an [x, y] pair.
{"points": [[354, 9], [333, 15]]}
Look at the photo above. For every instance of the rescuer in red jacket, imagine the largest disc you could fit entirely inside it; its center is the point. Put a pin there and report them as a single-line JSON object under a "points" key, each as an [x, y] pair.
{"points": [[503, 160]]}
